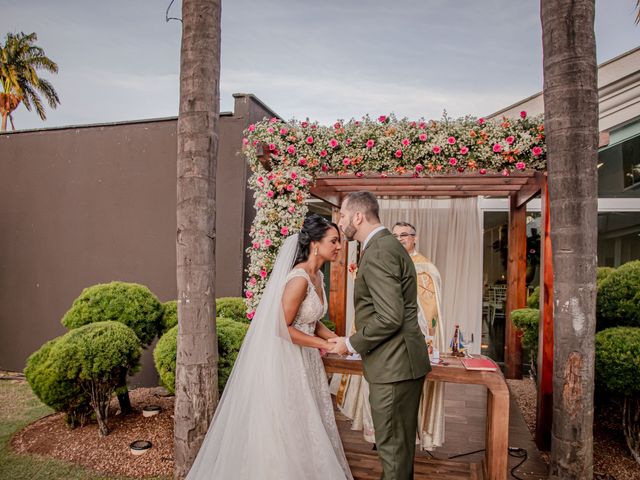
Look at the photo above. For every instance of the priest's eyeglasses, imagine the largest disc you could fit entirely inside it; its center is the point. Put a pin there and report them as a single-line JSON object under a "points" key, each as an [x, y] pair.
{"points": [[404, 235]]}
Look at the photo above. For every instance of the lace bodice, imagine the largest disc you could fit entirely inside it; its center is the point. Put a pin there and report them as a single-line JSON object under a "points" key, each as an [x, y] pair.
{"points": [[312, 307]]}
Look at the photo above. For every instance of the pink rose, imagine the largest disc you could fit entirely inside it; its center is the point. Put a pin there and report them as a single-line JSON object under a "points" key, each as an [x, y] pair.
{"points": [[497, 148], [406, 142], [284, 231], [248, 294], [510, 139], [333, 143], [272, 146], [270, 130], [422, 137], [263, 273], [464, 151], [254, 143], [348, 141], [422, 125], [294, 175], [290, 188], [291, 150], [453, 161], [250, 315], [291, 208], [260, 180], [271, 176], [419, 168], [382, 118], [451, 140], [270, 194], [304, 124], [283, 131], [303, 181], [337, 125], [359, 174], [481, 121], [302, 162], [482, 171], [259, 205], [370, 143], [323, 153], [273, 120], [537, 151], [267, 242], [437, 149], [398, 154], [324, 168], [346, 162], [245, 141], [252, 128], [505, 173], [252, 281], [520, 165], [383, 175], [256, 245], [309, 139], [523, 114]]}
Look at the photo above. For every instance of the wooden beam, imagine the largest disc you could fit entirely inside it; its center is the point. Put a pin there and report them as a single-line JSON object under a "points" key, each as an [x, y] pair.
{"points": [[544, 410], [530, 190], [338, 284], [516, 286], [428, 188], [365, 181], [328, 196]]}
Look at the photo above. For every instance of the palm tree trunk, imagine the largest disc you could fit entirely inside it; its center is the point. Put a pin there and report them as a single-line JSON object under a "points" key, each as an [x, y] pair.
{"points": [[571, 123], [3, 128], [197, 355]]}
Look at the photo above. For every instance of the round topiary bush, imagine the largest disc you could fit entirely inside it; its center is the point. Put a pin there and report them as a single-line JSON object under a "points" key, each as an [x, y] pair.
{"points": [[233, 308], [230, 337], [129, 303], [617, 370], [602, 273], [50, 384], [169, 315], [97, 356], [528, 320], [618, 302]]}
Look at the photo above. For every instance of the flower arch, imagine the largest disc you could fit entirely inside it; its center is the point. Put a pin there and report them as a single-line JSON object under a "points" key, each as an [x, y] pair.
{"points": [[286, 158]]}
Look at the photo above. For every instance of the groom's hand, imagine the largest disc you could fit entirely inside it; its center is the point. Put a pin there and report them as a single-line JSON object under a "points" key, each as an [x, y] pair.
{"points": [[340, 346]]}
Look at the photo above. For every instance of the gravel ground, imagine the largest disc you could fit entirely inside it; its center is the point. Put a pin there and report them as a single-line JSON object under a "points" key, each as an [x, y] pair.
{"points": [[611, 457]]}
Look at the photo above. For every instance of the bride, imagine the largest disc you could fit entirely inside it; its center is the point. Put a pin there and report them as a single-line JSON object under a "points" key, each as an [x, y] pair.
{"points": [[275, 418]]}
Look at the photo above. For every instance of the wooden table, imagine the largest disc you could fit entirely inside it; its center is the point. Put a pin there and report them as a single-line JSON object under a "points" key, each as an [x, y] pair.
{"points": [[497, 429]]}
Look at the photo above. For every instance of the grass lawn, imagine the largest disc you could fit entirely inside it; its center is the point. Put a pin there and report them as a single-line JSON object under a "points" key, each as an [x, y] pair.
{"points": [[18, 408]]}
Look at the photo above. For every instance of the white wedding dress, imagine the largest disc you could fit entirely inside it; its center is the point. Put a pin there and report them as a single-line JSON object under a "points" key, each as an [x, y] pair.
{"points": [[275, 419]]}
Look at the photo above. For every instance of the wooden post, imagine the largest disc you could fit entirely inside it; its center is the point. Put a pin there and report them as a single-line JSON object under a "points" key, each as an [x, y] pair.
{"points": [[544, 410], [338, 284], [516, 285]]}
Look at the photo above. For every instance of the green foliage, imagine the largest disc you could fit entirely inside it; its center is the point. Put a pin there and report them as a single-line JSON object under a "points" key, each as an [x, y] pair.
{"points": [[533, 301], [230, 337], [618, 360], [618, 302], [169, 315], [528, 320], [233, 308], [47, 379], [329, 324], [129, 303], [602, 273]]}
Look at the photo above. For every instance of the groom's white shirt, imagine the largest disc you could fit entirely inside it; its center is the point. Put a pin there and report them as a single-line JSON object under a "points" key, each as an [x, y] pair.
{"points": [[364, 245]]}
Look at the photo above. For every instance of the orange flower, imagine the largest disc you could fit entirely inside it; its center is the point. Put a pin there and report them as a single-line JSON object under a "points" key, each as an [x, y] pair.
{"points": [[472, 133]]}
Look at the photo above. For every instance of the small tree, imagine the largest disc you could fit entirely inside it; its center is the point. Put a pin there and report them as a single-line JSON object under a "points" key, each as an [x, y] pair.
{"points": [[528, 320], [97, 356], [618, 370], [129, 303], [47, 379]]}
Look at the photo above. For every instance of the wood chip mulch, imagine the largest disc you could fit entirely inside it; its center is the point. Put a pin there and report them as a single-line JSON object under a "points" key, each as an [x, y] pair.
{"points": [[51, 437], [611, 457]]}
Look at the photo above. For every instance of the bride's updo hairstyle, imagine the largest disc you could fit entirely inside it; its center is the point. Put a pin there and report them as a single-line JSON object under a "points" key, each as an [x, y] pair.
{"points": [[313, 229]]}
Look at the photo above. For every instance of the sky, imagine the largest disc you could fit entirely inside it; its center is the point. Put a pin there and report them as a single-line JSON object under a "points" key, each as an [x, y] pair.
{"points": [[119, 60]]}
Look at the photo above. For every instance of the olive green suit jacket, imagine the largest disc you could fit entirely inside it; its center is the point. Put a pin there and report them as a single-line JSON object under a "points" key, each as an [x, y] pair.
{"points": [[388, 336]]}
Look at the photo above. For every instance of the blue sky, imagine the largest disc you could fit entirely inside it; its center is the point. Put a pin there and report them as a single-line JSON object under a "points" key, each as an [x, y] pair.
{"points": [[335, 59]]}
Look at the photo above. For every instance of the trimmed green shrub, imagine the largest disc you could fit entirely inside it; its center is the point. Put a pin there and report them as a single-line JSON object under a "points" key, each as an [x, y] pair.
{"points": [[169, 315], [97, 356], [128, 303], [602, 273], [230, 337], [528, 320], [533, 301], [233, 308], [618, 302], [618, 360], [49, 383]]}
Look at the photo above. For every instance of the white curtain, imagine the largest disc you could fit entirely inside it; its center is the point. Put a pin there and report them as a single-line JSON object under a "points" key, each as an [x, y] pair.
{"points": [[449, 233]]}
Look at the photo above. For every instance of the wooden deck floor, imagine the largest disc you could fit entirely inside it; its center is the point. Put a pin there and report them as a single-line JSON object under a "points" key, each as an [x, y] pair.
{"points": [[465, 412]]}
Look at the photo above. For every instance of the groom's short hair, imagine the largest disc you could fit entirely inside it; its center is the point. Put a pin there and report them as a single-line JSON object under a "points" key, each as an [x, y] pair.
{"points": [[366, 203]]}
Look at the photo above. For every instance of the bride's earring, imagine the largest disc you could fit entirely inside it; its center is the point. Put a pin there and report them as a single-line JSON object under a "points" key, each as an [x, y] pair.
{"points": [[315, 251]]}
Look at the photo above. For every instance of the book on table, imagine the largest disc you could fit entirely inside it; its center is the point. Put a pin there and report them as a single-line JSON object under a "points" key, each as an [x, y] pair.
{"points": [[482, 364]]}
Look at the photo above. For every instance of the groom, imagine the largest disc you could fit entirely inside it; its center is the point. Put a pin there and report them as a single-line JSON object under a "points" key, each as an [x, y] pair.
{"points": [[388, 337]]}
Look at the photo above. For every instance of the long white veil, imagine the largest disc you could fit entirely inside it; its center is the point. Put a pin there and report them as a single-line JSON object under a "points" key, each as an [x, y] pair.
{"points": [[267, 424]]}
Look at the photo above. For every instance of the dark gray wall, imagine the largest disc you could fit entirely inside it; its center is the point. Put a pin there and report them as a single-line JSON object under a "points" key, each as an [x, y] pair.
{"points": [[92, 204]]}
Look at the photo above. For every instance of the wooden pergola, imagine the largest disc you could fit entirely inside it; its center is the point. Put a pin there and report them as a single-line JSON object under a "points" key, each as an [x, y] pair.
{"points": [[520, 189]]}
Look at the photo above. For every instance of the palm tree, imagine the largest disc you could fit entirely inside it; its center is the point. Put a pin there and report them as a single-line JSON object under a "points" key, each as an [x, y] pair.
{"points": [[197, 355], [571, 125], [20, 60]]}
